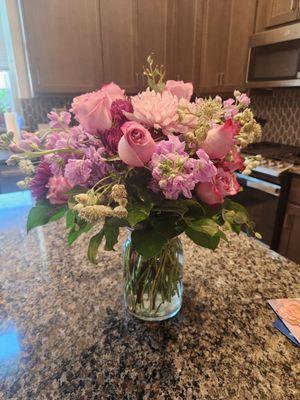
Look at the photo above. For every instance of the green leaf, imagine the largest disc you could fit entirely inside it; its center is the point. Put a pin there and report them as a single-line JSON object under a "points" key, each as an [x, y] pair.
{"points": [[232, 205], [147, 242], [44, 213], [70, 218], [111, 231], [202, 239], [204, 225], [137, 212], [167, 225], [173, 206], [77, 230], [148, 197], [195, 209], [94, 244]]}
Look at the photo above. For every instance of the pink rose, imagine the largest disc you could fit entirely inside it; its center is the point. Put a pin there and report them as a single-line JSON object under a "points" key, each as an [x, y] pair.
{"points": [[92, 110], [219, 140], [136, 145], [222, 185], [234, 161], [58, 187], [180, 89]]}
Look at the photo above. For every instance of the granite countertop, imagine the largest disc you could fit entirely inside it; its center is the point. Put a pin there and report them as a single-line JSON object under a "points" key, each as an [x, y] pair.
{"points": [[66, 334]]}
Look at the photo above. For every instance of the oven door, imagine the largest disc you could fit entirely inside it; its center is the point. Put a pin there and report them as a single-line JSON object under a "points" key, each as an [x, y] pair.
{"points": [[261, 198]]}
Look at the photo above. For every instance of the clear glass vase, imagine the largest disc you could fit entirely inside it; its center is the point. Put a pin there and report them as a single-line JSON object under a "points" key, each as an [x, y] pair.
{"points": [[153, 288]]}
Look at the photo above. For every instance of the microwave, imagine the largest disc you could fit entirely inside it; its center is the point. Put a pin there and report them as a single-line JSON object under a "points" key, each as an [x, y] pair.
{"points": [[274, 58]]}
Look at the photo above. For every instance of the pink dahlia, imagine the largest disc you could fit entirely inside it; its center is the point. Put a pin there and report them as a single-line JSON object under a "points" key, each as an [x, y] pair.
{"points": [[157, 110]]}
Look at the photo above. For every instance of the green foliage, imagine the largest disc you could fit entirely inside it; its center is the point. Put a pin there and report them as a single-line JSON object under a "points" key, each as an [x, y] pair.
{"points": [[147, 242], [43, 213], [138, 212], [77, 230], [94, 244], [203, 239]]}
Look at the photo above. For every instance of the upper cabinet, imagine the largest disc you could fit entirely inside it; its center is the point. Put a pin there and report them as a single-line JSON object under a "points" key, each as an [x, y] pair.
{"points": [[63, 44], [282, 11], [118, 37], [225, 38], [273, 13]]}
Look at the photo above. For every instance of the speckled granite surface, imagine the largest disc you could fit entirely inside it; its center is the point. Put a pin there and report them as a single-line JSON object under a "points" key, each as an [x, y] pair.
{"points": [[68, 336]]}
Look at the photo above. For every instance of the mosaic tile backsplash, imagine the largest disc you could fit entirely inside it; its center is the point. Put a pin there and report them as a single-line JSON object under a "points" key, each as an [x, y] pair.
{"points": [[281, 109]]}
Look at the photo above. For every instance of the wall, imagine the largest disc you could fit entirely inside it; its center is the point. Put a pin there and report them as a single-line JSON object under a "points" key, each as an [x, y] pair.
{"points": [[281, 108]]}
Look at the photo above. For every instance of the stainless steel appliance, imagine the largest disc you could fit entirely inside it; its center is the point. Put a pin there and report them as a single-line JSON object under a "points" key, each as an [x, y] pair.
{"points": [[265, 191], [274, 58]]}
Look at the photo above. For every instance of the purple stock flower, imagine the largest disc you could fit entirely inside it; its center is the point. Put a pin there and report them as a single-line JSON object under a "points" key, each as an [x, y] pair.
{"points": [[99, 167], [175, 173], [29, 141], [78, 172], [38, 184], [230, 108], [61, 121], [244, 100]]}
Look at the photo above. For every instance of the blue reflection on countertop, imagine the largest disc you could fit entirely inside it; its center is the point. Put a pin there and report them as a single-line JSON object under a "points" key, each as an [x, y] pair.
{"points": [[10, 349], [9, 344], [14, 208]]}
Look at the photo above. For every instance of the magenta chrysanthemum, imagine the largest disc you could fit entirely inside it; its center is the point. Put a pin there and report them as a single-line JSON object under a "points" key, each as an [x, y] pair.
{"points": [[38, 184]]}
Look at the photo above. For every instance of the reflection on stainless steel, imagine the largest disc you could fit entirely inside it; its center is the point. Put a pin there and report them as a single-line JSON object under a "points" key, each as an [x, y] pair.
{"points": [[274, 57], [258, 184]]}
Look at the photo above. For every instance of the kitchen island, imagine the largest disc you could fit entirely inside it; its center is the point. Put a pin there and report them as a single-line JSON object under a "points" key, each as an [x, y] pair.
{"points": [[67, 335]]}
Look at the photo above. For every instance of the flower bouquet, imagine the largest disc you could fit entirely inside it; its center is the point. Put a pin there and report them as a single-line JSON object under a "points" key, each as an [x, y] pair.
{"points": [[156, 163]]}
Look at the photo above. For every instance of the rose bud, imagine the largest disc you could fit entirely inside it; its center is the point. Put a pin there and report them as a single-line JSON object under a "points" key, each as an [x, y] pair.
{"points": [[220, 140], [180, 89], [136, 145]]}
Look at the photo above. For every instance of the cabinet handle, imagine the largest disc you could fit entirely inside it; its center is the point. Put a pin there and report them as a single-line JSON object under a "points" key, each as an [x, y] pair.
{"points": [[288, 222], [137, 81], [221, 78], [218, 79], [178, 77]]}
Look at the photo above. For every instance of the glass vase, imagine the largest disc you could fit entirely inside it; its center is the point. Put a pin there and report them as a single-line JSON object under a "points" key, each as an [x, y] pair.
{"points": [[153, 287]]}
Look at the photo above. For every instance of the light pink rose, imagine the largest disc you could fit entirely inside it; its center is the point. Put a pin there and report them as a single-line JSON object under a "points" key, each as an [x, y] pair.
{"points": [[222, 185], [136, 145], [58, 188], [92, 110], [219, 140], [180, 89]]}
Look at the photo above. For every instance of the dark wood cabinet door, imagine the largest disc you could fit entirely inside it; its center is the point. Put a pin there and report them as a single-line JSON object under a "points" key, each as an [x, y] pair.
{"points": [[63, 43], [282, 11], [290, 236]]}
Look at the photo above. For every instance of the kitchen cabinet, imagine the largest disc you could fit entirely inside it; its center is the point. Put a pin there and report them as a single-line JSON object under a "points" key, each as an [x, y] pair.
{"points": [[225, 37], [186, 41], [63, 44], [289, 240], [289, 243], [272, 13], [282, 11], [119, 41]]}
